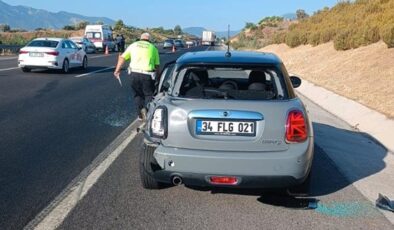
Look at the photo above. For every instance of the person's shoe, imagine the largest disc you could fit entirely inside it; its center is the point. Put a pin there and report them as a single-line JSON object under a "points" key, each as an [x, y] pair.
{"points": [[142, 115]]}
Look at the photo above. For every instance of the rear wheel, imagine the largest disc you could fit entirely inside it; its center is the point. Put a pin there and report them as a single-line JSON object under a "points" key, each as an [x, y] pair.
{"points": [[85, 63], [147, 163], [26, 70], [66, 66], [302, 189]]}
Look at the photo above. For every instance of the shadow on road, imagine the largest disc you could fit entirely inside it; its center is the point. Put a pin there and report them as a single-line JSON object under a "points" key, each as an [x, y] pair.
{"points": [[361, 152]]}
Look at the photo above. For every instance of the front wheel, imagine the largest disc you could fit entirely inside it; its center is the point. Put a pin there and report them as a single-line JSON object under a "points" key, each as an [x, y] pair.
{"points": [[66, 66], [147, 164]]}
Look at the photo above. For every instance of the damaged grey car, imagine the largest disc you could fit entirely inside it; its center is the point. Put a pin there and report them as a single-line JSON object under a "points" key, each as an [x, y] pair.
{"points": [[223, 119]]}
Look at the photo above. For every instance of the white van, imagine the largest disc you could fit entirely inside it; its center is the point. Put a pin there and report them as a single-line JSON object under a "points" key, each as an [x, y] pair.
{"points": [[101, 36]]}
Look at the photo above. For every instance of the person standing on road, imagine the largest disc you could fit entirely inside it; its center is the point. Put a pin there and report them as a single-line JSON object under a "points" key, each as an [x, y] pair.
{"points": [[144, 67], [122, 43], [118, 40]]}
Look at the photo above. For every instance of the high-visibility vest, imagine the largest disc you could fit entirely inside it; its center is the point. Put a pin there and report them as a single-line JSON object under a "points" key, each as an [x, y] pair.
{"points": [[143, 56]]}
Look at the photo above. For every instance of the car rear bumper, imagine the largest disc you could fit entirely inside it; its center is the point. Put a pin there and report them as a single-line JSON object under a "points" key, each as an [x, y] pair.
{"points": [[252, 169], [53, 65]]}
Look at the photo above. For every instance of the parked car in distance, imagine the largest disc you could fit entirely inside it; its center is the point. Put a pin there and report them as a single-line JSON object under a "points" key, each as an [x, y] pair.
{"points": [[224, 119], [169, 43], [179, 43], [51, 53], [101, 36], [190, 43], [84, 43]]}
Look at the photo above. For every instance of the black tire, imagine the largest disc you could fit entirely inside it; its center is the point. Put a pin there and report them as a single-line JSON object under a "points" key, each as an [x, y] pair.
{"points": [[66, 66], [84, 63], [146, 169], [25, 70], [303, 189]]}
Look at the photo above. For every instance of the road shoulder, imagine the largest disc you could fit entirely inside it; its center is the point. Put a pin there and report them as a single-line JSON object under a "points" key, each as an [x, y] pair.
{"points": [[368, 153]]}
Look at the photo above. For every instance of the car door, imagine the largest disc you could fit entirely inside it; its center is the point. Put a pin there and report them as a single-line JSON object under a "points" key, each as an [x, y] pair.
{"points": [[166, 77], [74, 57], [64, 52]]}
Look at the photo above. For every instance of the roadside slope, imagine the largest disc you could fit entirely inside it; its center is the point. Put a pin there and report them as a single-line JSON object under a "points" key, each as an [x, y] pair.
{"points": [[365, 75]]}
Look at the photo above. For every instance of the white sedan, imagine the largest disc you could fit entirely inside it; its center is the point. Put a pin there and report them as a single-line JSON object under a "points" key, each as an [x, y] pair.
{"points": [[52, 53]]}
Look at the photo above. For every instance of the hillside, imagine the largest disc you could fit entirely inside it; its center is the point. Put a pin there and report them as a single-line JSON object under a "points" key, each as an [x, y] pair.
{"points": [[28, 18], [349, 25], [365, 75]]}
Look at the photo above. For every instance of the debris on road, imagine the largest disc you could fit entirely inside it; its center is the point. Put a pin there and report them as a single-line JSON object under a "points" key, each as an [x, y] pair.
{"points": [[385, 203], [289, 202]]}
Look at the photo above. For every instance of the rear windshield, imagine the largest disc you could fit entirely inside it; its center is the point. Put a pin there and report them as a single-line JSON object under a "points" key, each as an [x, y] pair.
{"points": [[43, 43], [169, 41], [93, 35], [263, 83]]}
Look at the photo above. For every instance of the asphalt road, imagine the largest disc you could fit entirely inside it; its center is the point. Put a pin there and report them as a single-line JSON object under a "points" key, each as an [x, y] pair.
{"points": [[117, 200], [52, 126]]}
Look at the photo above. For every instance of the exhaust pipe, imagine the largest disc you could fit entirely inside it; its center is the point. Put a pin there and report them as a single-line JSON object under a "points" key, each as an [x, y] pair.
{"points": [[176, 180]]}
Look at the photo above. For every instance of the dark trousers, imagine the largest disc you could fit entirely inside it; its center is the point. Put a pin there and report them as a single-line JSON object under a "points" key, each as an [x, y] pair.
{"points": [[143, 88]]}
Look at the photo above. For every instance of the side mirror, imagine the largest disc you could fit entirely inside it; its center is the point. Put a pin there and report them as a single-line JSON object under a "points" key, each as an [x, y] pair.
{"points": [[295, 81]]}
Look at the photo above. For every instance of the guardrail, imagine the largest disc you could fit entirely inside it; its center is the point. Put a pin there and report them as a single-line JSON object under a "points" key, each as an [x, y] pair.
{"points": [[9, 49]]}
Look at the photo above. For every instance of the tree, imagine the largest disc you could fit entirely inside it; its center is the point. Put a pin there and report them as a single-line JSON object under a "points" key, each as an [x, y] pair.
{"points": [[301, 14], [250, 25], [177, 30], [100, 23], [69, 27], [81, 25], [5, 28], [119, 25]]}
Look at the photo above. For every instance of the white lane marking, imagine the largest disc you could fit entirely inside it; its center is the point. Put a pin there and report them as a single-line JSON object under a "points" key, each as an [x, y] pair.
{"points": [[9, 69], [100, 56], [55, 213], [96, 71]]}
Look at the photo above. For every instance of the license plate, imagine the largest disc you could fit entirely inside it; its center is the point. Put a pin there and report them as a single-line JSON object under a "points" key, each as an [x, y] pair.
{"points": [[226, 128], [35, 54]]}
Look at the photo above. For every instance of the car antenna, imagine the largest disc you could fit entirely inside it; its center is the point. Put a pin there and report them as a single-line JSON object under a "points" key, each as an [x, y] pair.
{"points": [[228, 53]]}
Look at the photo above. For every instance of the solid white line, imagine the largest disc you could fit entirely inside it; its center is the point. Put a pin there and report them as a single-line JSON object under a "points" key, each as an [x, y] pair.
{"points": [[100, 56], [9, 69], [55, 213], [97, 71]]}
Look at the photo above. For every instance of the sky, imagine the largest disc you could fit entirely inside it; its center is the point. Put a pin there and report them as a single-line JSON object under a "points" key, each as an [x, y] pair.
{"points": [[211, 14]]}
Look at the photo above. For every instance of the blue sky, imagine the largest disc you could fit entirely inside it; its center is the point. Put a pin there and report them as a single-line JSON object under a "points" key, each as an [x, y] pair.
{"points": [[215, 15]]}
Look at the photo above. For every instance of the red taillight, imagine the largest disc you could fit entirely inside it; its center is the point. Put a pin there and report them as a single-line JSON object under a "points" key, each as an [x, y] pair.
{"points": [[23, 52], [54, 53], [223, 180], [296, 129]]}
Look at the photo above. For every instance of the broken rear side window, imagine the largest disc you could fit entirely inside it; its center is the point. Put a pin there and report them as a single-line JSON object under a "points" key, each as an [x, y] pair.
{"points": [[231, 83]]}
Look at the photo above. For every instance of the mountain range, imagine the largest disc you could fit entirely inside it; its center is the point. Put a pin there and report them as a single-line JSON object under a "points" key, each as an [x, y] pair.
{"points": [[197, 31], [23, 17]]}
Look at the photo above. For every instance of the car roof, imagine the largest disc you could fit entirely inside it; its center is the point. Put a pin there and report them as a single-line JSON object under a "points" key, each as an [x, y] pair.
{"points": [[50, 39], [240, 57], [71, 38]]}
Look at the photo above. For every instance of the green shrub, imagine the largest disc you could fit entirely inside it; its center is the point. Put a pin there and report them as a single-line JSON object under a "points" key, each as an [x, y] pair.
{"points": [[387, 34], [342, 41], [293, 39], [314, 38], [279, 38]]}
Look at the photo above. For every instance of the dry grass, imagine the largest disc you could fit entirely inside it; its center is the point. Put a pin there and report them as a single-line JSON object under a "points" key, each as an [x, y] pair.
{"points": [[365, 74]]}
